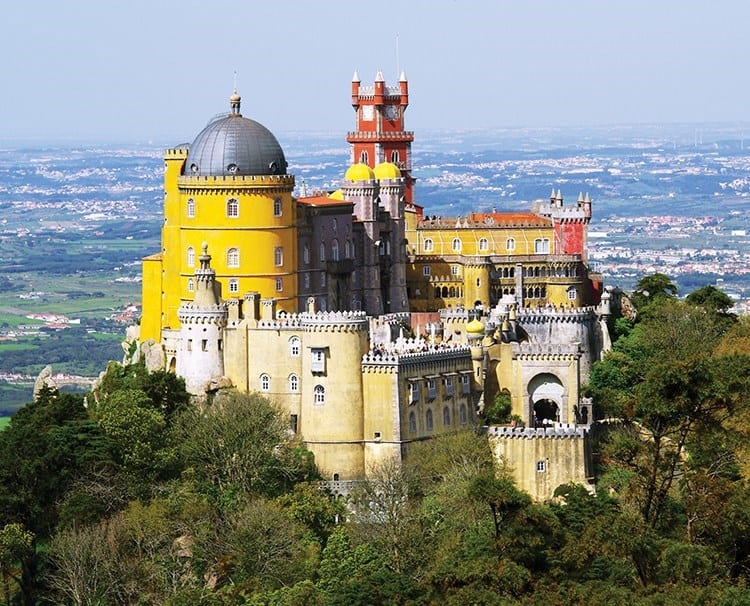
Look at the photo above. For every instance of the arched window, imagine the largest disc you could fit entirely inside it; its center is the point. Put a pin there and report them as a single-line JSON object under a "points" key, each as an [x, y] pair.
{"points": [[412, 423], [335, 250], [279, 284], [452, 292], [394, 157], [429, 245], [483, 244], [322, 252], [293, 383], [233, 257], [319, 394], [446, 416], [191, 285], [191, 256], [364, 158], [512, 272], [277, 207], [265, 382], [234, 285], [428, 420], [445, 292], [278, 256], [294, 346], [347, 250], [233, 207], [190, 208], [306, 254], [456, 245], [462, 417], [510, 244], [437, 292], [541, 245], [307, 280]]}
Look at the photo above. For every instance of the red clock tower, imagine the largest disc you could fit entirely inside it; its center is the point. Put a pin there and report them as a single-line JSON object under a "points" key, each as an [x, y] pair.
{"points": [[380, 135]]}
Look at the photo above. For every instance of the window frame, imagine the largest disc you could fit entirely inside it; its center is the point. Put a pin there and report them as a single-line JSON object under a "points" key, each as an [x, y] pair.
{"points": [[233, 208], [233, 257]]}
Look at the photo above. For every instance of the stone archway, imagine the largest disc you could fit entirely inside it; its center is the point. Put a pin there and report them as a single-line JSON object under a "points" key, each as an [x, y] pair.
{"points": [[545, 399]]}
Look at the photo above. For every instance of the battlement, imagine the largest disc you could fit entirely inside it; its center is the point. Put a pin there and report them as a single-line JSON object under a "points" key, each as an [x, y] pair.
{"points": [[334, 321], [388, 90], [189, 313], [236, 181], [541, 315], [433, 354], [564, 213], [558, 431], [176, 153], [454, 313], [359, 135], [545, 351]]}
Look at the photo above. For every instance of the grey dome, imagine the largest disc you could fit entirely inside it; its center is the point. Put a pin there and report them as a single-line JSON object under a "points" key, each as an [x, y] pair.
{"points": [[233, 145]]}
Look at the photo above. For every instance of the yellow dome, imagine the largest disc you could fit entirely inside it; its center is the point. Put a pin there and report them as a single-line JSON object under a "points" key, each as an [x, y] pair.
{"points": [[359, 172], [387, 170], [475, 327], [336, 195]]}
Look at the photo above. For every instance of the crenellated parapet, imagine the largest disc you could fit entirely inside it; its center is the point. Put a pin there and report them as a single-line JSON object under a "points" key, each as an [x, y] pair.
{"points": [[556, 432], [189, 313], [376, 361], [545, 351], [543, 315], [334, 321], [234, 183], [454, 313]]}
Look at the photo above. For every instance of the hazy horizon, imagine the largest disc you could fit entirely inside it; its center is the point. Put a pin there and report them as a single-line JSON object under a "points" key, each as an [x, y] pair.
{"points": [[146, 71]]}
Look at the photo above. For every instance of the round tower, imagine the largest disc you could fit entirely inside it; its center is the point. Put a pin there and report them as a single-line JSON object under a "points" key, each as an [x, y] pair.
{"points": [[200, 355], [230, 187], [332, 408]]}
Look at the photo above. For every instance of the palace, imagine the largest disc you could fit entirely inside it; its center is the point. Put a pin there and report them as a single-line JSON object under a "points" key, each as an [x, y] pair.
{"points": [[372, 324]]}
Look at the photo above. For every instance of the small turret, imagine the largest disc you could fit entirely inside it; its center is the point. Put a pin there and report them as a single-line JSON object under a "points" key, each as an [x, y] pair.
{"points": [[379, 88], [404, 88], [355, 90]]}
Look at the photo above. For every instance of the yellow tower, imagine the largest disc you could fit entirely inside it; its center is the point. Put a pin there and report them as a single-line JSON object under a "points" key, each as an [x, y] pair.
{"points": [[229, 189]]}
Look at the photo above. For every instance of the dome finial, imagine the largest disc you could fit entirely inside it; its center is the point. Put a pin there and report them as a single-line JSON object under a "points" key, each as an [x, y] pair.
{"points": [[234, 100]]}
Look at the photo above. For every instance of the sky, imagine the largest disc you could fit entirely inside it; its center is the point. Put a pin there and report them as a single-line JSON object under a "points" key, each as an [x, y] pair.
{"points": [[158, 70]]}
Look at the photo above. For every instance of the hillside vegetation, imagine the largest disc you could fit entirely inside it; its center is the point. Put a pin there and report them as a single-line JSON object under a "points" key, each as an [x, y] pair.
{"points": [[140, 497]]}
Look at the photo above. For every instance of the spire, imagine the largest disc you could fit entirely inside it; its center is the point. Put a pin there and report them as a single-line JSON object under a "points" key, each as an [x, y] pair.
{"points": [[205, 278], [580, 197], [552, 195], [559, 195], [587, 200], [355, 77], [379, 76], [402, 77]]}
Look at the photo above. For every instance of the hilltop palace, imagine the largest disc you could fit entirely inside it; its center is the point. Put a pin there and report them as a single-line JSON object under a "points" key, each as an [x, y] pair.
{"points": [[371, 324]]}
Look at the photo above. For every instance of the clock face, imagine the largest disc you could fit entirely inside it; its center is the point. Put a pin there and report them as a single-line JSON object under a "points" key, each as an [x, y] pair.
{"points": [[367, 112], [391, 112]]}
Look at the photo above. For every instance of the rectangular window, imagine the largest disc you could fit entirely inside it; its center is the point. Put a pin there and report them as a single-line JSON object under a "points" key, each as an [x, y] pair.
{"points": [[426, 270], [234, 285], [190, 345], [204, 345], [318, 359], [455, 270], [448, 386], [541, 245], [541, 466], [414, 392], [431, 389], [277, 207], [293, 423], [465, 384], [572, 294], [278, 256], [279, 284]]}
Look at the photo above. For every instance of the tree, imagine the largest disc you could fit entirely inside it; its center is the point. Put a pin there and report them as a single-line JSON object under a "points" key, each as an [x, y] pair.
{"points": [[241, 444], [656, 287], [16, 549], [711, 298]]}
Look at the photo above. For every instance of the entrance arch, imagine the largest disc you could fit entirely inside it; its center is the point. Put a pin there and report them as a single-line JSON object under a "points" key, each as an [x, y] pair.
{"points": [[545, 398]]}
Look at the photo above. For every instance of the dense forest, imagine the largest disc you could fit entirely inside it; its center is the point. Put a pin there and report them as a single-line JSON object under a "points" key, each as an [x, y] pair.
{"points": [[139, 497]]}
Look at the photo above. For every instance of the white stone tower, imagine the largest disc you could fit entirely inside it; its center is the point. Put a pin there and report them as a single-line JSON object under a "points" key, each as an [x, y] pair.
{"points": [[200, 355]]}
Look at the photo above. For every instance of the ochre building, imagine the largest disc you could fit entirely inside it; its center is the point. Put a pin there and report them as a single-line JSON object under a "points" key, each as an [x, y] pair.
{"points": [[372, 323]]}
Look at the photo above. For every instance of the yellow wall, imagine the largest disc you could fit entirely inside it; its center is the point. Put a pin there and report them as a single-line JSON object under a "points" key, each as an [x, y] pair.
{"points": [[256, 232], [151, 310]]}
